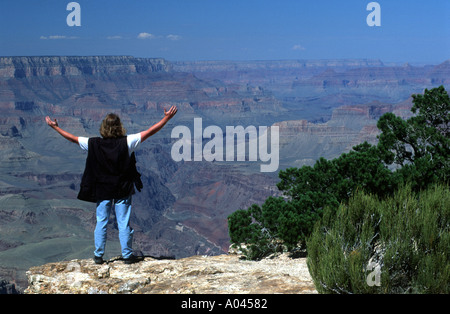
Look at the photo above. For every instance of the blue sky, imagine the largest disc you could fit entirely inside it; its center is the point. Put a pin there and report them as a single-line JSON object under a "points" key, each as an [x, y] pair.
{"points": [[410, 31]]}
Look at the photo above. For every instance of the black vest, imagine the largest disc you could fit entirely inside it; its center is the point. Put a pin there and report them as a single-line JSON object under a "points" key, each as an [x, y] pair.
{"points": [[110, 172]]}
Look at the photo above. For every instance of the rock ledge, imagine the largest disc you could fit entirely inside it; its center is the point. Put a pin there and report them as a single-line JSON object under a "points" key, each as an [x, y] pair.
{"points": [[223, 274]]}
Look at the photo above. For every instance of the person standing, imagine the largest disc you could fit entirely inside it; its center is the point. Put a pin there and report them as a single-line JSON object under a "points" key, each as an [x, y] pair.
{"points": [[110, 177]]}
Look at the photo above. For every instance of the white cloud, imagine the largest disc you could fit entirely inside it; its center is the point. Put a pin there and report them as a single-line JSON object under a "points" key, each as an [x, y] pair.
{"points": [[57, 37], [114, 37], [298, 48], [173, 37], [146, 36]]}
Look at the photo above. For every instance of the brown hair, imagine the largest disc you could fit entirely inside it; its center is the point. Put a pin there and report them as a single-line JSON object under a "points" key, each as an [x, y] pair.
{"points": [[111, 127]]}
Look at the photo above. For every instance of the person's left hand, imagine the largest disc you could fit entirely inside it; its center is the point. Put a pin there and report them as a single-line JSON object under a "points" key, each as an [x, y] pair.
{"points": [[172, 111]]}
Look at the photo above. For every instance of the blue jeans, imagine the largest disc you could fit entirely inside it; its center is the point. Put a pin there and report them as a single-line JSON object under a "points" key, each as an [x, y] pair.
{"points": [[122, 208]]}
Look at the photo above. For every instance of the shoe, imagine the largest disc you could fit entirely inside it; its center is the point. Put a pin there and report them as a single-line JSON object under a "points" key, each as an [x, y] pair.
{"points": [[133, 259], [98, 260]]}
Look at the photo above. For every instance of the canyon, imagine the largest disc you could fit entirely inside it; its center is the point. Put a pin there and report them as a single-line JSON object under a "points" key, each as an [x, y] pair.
{"points": [[321, 107]]}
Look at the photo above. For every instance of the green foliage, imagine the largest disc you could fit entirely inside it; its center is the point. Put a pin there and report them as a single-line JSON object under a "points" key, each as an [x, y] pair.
{"points": [[275, 226], [285, 223], [406, 236], [419, 146]]}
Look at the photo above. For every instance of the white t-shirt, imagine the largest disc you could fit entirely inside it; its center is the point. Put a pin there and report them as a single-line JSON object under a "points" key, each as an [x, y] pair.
{"points": [[133, 142]]}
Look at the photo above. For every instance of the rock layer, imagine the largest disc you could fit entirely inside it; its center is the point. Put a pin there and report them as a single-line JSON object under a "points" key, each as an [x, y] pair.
{"points": [[223, 274]]}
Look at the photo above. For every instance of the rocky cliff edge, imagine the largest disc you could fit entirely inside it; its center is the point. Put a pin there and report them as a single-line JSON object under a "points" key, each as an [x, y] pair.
{"points": [[223, 274]]}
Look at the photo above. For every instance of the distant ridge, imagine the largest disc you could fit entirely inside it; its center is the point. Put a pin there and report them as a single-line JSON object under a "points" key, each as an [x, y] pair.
{"points": [[20, 67], [211, 66]]}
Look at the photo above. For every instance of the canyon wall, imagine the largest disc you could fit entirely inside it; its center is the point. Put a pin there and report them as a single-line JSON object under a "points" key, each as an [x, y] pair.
{"points": [[322, 107]]}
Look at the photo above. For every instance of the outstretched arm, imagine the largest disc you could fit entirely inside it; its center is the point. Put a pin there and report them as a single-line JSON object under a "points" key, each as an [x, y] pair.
{"points": [[54, 125], [158, 126]]}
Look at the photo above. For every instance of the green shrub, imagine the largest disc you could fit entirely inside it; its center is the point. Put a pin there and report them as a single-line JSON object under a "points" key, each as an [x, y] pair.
{"points": [[396, 245], [275, 226], [284, 224], [418, 145]]}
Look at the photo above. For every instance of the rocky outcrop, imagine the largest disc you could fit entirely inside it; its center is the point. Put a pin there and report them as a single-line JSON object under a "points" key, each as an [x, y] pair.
{"points": [[223, 274]]}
